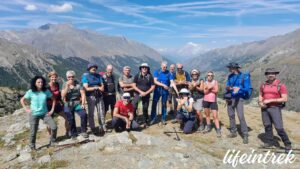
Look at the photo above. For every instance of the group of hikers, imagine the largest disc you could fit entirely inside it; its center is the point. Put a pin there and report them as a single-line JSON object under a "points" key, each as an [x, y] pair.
{"points": [[185, 93]]}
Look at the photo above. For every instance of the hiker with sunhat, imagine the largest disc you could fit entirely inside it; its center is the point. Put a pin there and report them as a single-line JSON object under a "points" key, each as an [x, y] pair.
{"points": [[94, 87], [196, 87], [185, 114], [272, 97], [123, 118], [235, 89], [143, 84]]}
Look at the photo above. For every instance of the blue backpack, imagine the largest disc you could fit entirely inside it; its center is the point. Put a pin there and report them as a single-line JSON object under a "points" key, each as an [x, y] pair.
{"points": [[246, 82]]}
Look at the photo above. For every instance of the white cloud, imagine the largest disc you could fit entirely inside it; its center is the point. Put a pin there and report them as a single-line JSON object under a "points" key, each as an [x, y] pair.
{"points": [[66, 7], [30, 7]]}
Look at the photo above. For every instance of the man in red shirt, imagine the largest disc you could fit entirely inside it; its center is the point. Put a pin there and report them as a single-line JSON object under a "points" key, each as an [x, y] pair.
{"points": [[273, 95], [123, 115]]}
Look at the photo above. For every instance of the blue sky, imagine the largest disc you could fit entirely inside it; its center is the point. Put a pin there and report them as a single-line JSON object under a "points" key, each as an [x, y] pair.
{"points": [[166, 25]]}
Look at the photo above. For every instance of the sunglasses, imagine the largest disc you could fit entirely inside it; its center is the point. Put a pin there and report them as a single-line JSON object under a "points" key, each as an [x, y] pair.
{"points": [[144, 67], [209, 75], [271, 73], [126, 98], [70, 77], [194, 74], [179, 68]]}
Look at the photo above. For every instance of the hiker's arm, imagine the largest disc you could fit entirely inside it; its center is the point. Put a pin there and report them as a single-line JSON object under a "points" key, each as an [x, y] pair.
{"points": [[206, 90], [53, 106], [83, 97], [101, 87], [150, 90], [201, 87], [24, 104], [123, 85], [130, 116], [215, 88], [282, 99], [64, 91], [158, 83], [260, 100], [136, 88], [89, 89], [190, 107], [174, 86], [116, 114]]}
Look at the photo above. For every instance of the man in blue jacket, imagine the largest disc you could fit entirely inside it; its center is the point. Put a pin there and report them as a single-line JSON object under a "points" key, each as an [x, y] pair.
{"points": [[236, 88]]}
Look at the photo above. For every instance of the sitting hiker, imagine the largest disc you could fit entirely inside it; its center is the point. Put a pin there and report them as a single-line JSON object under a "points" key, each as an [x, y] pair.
{"points": [[37, 97], [185, 114], [73, 96], [272, 96], [123, 115]]}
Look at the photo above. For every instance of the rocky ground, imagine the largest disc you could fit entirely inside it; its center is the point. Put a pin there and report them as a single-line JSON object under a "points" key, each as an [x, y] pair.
{"points": [[150, 148]]}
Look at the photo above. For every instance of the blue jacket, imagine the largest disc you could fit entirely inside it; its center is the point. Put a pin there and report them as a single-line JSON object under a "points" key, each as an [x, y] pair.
{"points": [[236, 80]]}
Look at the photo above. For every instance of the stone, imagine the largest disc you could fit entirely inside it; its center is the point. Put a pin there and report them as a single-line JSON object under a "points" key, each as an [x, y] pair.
{"points": [[142, 139], [44, 159], [89, 146], [14, 128], [145, 164], [24, 157], [123, 138]]}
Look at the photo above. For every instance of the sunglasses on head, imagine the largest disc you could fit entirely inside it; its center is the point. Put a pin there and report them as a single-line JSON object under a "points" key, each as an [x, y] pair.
{"points": [[126, 98]]}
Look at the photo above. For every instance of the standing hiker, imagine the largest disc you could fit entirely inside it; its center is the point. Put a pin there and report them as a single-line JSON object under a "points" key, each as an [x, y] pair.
{"points": [[126, 82], [163, 79], [74, 99], [144, 85], [53, 86], [272, 97], [172, 93], [210, 103], [109, 89], [186, 116], [196, 87], [236, 89], [123, 115], [93, 85], [36, 98]]}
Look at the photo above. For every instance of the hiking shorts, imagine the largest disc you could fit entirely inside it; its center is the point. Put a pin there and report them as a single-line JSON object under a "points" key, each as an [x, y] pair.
{"points": [[198, 105], [210, 105], [57, 109]]}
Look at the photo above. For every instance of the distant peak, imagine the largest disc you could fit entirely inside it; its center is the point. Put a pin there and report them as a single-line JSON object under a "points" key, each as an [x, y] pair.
{"points": [[57, 26]]}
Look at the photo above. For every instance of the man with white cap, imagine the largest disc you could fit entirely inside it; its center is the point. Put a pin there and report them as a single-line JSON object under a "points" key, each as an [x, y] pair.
{"points": [[143, 85], [123, 115]]}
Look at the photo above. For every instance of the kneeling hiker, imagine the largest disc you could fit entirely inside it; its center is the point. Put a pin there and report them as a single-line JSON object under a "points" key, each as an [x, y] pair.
{"points": [[123, 115], [185, 114], [37, 97], [73, 96], [273, 95]]}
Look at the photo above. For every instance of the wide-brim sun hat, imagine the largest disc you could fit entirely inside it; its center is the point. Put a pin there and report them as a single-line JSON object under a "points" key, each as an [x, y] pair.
{"points": [[184, 91], [271, 70], [233, 65], [195, 71], [144, 65]]}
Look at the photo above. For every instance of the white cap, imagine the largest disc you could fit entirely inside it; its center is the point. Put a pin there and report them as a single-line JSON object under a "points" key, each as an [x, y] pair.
{"points": [[184, 91], [126, 95]]}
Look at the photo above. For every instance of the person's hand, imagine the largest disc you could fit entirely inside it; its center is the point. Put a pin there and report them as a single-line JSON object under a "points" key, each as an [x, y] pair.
{"points": [[229, 88], [50, 113], [127, 123], [142, 94], [267, 101], [130, 117], [82, 106], [261, 104], [166, 87], [96, 88], [236, 89]]}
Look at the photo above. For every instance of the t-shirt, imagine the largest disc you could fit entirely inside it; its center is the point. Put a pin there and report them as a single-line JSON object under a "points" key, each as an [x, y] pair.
{"points": [[126, 80], [183, 109], [211, 96], [196, 94], [163, 77], [73, 94], [124, 110], [144, 83], [38, 101], [270, 91]]}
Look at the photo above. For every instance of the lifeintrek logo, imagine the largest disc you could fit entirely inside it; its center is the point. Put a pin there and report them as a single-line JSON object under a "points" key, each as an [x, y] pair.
{"points": [[235, 157]]}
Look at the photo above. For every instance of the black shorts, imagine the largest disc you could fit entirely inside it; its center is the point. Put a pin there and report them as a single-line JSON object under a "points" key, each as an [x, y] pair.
{"points": [[210, 105], [57, 109]]}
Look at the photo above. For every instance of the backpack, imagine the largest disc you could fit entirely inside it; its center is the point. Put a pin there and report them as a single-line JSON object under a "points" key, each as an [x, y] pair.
{"points": [[246, 81], [283, 104]]}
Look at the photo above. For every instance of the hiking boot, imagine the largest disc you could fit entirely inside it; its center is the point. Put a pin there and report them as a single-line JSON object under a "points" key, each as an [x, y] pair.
{"points": [[152, 122], [52, 144], [94, 131], [245, 140], [232, 135], [101, 132], [174, 121], [267, 145], [207, 128], [288, 148], [68, 134], [201, 127], [219, 135], [32, 147], [84, 135], [74, 137]]}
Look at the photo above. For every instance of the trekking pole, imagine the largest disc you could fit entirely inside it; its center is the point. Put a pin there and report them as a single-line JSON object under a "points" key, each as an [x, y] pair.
{"points": [[177, 137]]}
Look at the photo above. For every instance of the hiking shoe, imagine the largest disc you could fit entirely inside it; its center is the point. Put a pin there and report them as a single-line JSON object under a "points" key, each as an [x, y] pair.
{"points": [[152, 122], [68, 134], [245, 140], [201, 127], [94, 131], [84, 135], [174, 121], [232, 135], [52, 144], [163, 122], [101, 132], [207, 129], [74, 137], [288, 148], [219, 135], [267, 145], [32, 147]]}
